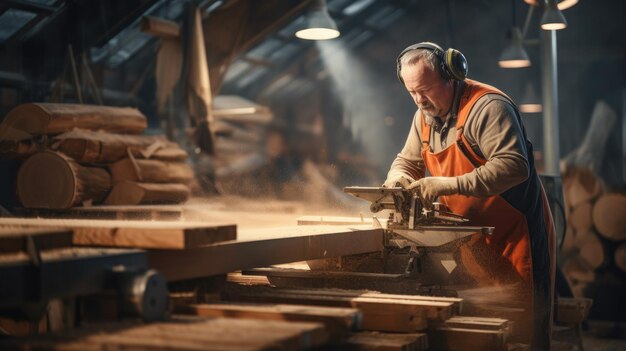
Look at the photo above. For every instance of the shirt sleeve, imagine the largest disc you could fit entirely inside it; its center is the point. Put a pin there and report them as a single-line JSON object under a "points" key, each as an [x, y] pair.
{"points": [[495, 132], [409, 161]]}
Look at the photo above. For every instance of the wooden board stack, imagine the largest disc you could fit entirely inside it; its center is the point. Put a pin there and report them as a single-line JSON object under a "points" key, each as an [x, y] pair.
{"points": [[182, 333], [91, 155], [389, 321]]}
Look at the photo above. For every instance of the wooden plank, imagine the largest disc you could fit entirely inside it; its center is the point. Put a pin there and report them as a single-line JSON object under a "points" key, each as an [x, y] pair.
{"points": [[337, 320], [572, 309], [370, 341], [182, 334], [436, 308], [160, 27], [383, 314], [138, 234], [267, 246], [465, 339], [237, 277], [138, 212], [333, 220], [433, 301], [14, 238], [322, 279], [314, 274], [475, 322]]}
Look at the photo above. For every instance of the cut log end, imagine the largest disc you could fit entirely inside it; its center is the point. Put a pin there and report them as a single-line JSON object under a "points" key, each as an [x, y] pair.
{"points": [[46, 181], [609, 216], [54, 181]]}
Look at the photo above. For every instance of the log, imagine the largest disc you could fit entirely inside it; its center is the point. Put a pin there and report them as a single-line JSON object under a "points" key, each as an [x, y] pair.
{"points": [[609, 216], [54, 181], [22, 149], [620, 257], [103, 147], [151, 171], [33, 119], [592, 250], [578, 271], [569, 242], [134, 193], [582, 186], [581, 217]]}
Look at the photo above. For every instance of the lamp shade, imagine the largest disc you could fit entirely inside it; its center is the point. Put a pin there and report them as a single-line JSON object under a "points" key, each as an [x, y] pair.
{"points": [[552, 18], [514, 55], [530, 102], [562, 5], [317, 24]]}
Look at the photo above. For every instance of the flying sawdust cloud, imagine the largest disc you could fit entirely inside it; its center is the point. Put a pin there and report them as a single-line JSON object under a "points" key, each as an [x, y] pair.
{"points": [[365, 101]]}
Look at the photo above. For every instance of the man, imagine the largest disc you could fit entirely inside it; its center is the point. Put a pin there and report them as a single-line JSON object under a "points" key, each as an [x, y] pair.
{"points": [[470, 138]]}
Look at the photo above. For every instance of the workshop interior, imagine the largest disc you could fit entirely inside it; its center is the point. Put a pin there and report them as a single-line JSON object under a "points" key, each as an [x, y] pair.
{"points": [[213, 175]]}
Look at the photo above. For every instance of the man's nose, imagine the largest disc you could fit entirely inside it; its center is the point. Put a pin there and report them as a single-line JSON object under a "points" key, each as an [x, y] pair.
{"points": [[420, 99]]}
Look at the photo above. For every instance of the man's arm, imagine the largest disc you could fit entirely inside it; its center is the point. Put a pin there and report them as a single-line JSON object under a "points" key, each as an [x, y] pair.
{"points": [[409, 161], [495, 132]]}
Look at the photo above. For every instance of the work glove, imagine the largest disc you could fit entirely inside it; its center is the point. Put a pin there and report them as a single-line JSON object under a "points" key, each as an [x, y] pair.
{"points": [[429, 188], [402, 181]]}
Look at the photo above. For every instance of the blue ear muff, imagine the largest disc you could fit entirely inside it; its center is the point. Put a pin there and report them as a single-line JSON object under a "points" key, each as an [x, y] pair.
{"points": [[452, 63]]}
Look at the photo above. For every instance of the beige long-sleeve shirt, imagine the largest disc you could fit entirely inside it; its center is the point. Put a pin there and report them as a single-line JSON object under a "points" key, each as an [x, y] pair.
{"points": [[494, 133]]}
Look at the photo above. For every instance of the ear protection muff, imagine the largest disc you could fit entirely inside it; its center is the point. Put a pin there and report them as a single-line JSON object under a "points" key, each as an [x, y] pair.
{"points": [[451, 63]]}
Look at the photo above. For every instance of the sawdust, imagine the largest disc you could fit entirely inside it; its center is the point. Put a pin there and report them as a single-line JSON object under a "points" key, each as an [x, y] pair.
{"points": [[251, 213]]}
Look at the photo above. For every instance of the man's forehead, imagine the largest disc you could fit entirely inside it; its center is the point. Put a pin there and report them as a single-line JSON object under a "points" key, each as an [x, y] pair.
{"points": [[419, 72]]}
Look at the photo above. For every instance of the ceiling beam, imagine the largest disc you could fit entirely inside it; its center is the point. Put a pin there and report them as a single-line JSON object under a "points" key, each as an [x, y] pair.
{"points": [[237, 26], [29, 6]]}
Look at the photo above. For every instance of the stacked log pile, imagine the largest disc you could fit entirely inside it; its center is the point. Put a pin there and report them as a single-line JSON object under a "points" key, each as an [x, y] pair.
{"points": [[591, 257], [595, 241], [77, 155]]}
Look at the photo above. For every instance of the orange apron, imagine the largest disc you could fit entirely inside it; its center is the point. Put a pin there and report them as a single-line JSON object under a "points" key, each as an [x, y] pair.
{"points": [[521, 249]]}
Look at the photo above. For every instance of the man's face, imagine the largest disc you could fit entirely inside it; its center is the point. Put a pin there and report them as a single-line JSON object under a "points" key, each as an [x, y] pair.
{"points": [[432, 94]]}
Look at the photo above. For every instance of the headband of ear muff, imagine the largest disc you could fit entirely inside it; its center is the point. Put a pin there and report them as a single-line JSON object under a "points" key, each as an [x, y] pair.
{"points": [[451, 63]]}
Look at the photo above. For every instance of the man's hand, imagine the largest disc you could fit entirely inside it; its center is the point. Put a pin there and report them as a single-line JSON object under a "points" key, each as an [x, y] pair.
{"points": [[402, 181], [429, 188]]}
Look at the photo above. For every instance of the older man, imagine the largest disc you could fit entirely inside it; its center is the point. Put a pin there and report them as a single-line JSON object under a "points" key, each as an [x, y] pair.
{"points": [[470, 138]]}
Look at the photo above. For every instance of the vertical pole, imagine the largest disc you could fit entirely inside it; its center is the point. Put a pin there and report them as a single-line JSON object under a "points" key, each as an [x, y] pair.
{"points": [[551, 154], [550, 93], [624, 135]]}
